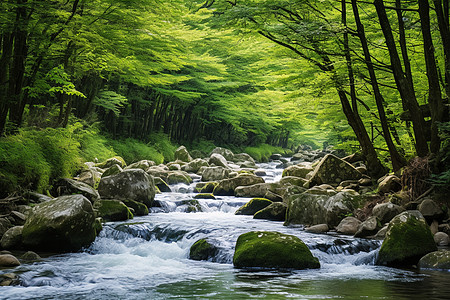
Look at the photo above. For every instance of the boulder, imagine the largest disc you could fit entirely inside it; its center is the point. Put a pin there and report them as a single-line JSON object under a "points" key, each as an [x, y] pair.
{"points": [[113, 210], [161, 185], [158, 171], [272, 250], [241, 157], [368, 228], [385, 212], [19, 218], [276, 211], [320, 228], [133, 184], [215, 173], [113, 170], [309, 209], [90, 177], [333, 170], [205, 196], [253, 206], [206, 187], [5, 224], [142, 164], [12, 239], [174, 167], [116, 160], [431, 210], [9, 279], [275, 156], [218, 160], [389, 184], [182, 154], [226, 187], [66, 223], [408, 238], [195, 165], [292, 180], [297, 171], [273, 196], [8, 261], [441, 239], [254, 190], [227, 154], [67, 186], [203, 249], [437, 260], [140, 209], [176, 177], [348, 225], [36, 197], [30, 256]]}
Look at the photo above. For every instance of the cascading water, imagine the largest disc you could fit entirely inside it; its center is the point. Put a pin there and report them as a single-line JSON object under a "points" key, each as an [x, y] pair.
{"points": [[147, 258]]}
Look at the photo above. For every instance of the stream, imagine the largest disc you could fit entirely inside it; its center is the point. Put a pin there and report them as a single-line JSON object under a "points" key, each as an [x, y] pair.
{"points": [[147, 258]]}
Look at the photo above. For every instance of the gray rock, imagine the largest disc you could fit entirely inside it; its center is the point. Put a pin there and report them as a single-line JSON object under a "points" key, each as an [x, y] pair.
{"points": [[116, 160], [215, 173], [241, 157], [30, 256], [19, 218], [389, 184], [297, 171], [292, 180], [142, 164], [5, 224], [226, 187], [276, 211], [113, 170], [255, 190], [8, 260], [253, 206], [175, 177], [9, 279], [162, 185], [182, 154], [431, 210], [66, 223], [12, 239], [368, 228], [348, 225], [441, 239], [90, 177], [333, 170], [195, 165], [218, 160], [227, 154], [385, 212], [320, 228], [113, 210], [67, 186], [437, 260], [133, 184]]}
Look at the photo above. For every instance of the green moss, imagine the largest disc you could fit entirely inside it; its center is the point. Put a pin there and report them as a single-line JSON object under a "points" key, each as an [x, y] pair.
{"points": [[139, 208], [253, 206], [207, 187], [259, 249], [205, 196], [193, 205], [113, 210], [202, 250]]}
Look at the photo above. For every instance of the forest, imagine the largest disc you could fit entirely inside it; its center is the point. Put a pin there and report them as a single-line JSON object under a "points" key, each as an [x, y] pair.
{"points": [[90, 79]]}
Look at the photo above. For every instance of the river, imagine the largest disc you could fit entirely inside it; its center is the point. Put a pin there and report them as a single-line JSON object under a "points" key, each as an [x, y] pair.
{"points": [[147, 258]]}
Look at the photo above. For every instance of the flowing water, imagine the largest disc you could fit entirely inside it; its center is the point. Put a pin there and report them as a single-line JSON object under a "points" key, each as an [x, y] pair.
{"points": [[147, 258]]}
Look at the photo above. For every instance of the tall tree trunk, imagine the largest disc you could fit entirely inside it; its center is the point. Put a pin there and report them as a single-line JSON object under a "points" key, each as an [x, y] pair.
{"points": [[408, 95], [397, 160], [434, 89], [444, 29], [5, 62]]}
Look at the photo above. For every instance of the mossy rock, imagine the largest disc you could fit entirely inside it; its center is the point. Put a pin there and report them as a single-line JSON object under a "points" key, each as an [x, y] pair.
{"points": [[113, 210], [113, 170], [438, 260], [272, 250], [205, 196], [116, 160], [203, 250], [253, 206], [226, 187], [162, 185], [192, 205], [276, 211], [408, 238], [178, 177], [140, 209], [206, 187]]}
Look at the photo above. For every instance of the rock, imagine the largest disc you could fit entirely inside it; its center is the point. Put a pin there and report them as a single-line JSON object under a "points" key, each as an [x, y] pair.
{"points": [[437, 260], [215, 173], [276, 211], [176, 177], [66, 223], [274, 197], [174, 167], [408, 239], [444, 228], [368, 228], [348, 225], [227, 154], [113, 170], [274, 250], [67, 186], [226, 187], [389, 184], [30, 256], [203, 249], [241, 157], [142, 164], [5, 224], [8, 261], [255, 190], [162, 185], [381, 234], [434, 227], [352, 158], [218, 160], [275, 156], [253, 206], [195, 165], [206, 187], [19, 218], [36, 197], [140, 209], [204, 196], [90, 177], [158, 171], [260, 173], [133, 184], [182, 154], [320, 228], [309, 209], [113, 210], [441, 239], [192, 205], [292, 180], [12, 239], [333, 170], [385, 212], [431, 210], [116, 160], [197, 154], [297, 171]]}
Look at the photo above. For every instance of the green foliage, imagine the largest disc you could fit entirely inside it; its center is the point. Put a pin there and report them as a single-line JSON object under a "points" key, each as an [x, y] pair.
{"points": [[163, 145], [133, 150], [263, 152], [111, 101], [93, 145]]}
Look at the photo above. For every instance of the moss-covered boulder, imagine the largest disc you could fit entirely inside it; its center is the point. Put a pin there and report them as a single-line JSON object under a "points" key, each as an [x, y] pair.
{"points": [[254, 190], [226, 187], [195, 165], [113, 170], [90, 177], [262, 249], [182, 154], [408, 238], [253, 206], [192, 205], [206, 187], [276, 211], [12, 239], [133, 184], [113, 210], [298, 171], [293, 180], [205, 196], [162, 185], [66, 223], [140, 209], [437, 260], [116, 160], [142, 164], [226, 153], [333, 170], [175, 177], [203, 249], [348, 225], [67, 186], [215, 173]]}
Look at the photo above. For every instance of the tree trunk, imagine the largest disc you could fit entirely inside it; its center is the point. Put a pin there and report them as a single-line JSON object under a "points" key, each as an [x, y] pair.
{"points": [[444, 30]]}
